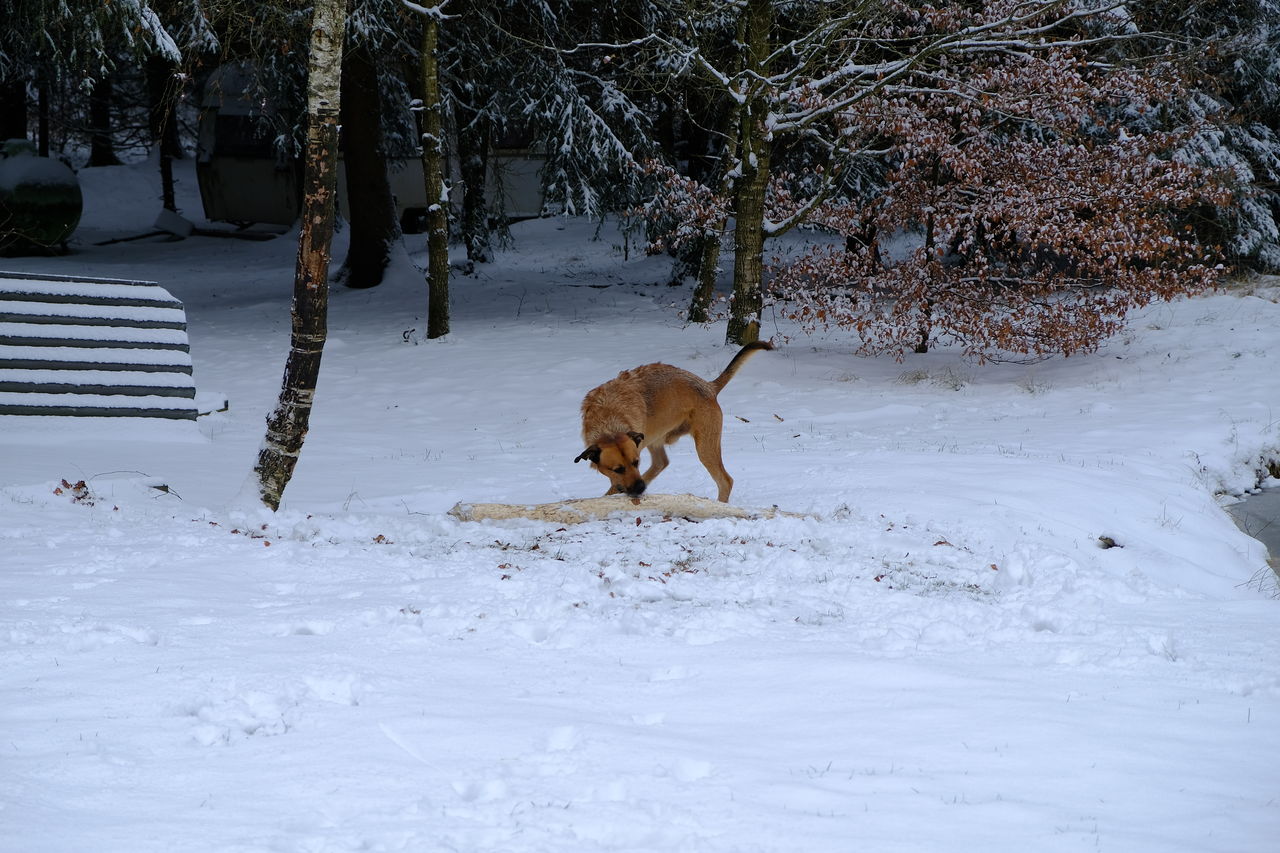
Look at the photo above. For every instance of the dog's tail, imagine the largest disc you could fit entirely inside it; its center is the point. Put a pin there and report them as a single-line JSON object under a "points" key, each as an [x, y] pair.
{"points": [[738, 360]]}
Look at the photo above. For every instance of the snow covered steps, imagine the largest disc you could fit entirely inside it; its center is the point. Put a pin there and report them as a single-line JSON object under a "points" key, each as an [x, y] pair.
{"points": [[93, 347]]}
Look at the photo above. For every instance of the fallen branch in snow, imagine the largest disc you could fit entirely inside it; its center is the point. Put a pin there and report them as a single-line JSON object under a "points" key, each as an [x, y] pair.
{"points": [[592, 509]]}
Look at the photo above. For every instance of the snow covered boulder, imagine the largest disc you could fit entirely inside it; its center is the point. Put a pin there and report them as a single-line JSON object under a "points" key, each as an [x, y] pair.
{"points": [[40, 200]]}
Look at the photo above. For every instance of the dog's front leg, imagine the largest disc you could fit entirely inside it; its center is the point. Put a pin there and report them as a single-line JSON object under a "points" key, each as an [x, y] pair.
{"points": [[657, 462]]}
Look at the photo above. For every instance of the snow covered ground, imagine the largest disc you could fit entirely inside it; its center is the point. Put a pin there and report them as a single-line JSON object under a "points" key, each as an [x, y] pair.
{"points": [[940, 655]]}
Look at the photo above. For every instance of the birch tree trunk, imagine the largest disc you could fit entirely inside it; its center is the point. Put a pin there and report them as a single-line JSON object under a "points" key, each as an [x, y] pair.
{"points": [[287, 425], [433, 173]]}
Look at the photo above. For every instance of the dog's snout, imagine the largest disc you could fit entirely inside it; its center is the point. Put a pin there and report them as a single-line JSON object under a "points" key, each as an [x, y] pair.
{"points": [[636, 488]]}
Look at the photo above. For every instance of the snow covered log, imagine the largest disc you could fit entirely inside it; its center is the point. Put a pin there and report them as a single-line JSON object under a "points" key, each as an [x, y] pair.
{"points": [[579, 510]]}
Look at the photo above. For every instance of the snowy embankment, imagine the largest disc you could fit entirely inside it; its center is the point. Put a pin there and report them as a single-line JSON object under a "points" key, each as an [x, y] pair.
{"points": [[940, 655]]}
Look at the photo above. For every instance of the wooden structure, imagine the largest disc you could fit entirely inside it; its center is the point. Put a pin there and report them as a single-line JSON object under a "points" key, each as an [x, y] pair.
{"points": [[243, 179], [93, 347]]}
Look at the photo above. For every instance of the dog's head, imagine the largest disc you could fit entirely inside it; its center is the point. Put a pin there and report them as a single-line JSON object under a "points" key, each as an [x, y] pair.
{"points": [[618, 459]]}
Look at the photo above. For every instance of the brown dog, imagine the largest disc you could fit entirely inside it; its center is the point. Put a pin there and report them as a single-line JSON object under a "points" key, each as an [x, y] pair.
{"points": [[650, 407]]}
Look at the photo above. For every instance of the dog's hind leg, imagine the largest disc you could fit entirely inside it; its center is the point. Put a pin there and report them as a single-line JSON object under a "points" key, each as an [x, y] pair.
{"points": [[706, 437]]}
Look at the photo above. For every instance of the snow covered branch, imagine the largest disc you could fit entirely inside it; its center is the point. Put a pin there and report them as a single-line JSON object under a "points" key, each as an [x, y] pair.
{"points": [[437, 11]]}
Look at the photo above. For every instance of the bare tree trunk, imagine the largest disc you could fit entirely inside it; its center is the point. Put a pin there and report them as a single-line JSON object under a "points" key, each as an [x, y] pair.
{"points": [[42, 114], [101, 150], [13, 109], [474, 141], [749, 189], [287, 425], [371, 209], [709, 245], [748, 254], [162, 94], [708, 272], [433, 173]]}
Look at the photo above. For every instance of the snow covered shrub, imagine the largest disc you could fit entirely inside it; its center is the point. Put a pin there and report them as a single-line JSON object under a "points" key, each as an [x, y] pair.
{"points": [[679, 210], [1013, 220]]}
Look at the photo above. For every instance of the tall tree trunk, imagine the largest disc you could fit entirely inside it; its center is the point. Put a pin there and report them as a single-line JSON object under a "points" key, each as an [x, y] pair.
{"points": [[709, 246], [287, 425], [42, 115], [475, 137], [749, 189], [162, 95], [371, 209], [748, 252], [13, 109], [101, 150], [437, 191]]}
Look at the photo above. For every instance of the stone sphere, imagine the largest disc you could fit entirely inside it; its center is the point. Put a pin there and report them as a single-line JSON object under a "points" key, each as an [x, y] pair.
{"points": [[40, 201]]}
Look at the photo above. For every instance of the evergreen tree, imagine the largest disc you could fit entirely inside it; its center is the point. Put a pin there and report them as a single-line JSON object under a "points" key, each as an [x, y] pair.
{"points": [[1231, 107], [74, 45], [511, 68]]}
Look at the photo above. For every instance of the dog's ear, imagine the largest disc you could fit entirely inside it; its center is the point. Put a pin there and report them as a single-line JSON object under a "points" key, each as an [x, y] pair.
{"points": [[637, 437], [592, 453]]}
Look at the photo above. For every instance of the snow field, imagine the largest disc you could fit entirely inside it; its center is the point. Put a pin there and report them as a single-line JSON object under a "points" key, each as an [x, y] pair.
{"points": [[327, 667]]}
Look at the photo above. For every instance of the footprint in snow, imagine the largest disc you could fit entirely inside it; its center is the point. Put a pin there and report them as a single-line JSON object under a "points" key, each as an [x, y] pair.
{"points": [[671, 673], [481, 792], [342, 690], [690, 770], [311, 628], [563, 739], [250, 713], [86, 636], [535, 632]]}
